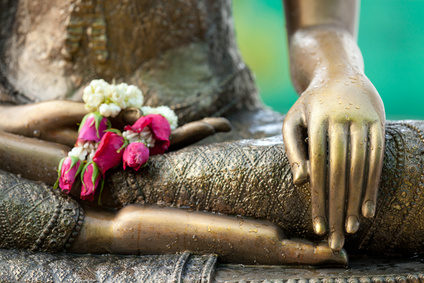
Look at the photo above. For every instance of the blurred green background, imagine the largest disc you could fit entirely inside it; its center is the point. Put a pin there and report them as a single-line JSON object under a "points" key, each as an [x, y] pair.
{"points": [[391, 38]]}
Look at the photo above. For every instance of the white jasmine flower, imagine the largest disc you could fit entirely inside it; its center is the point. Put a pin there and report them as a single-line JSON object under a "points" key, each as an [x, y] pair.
{"points": [[130, 136], [165, 111], [104, 110], [79, 152], [98, 94], [109, 110], [84, 150], [134, 97], [115, 109], [119, 96], [90, 156], [145, 136], [95, 94]]}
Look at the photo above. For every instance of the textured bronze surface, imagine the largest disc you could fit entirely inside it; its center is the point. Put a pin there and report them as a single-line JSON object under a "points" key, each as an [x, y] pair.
{"points": [[360, 271], [41, 267], [34, 217], [252, 178], [21, 266]]}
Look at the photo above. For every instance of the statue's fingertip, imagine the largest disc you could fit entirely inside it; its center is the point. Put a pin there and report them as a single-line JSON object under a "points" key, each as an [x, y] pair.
{"points": [[368, 209], [300, 175], [319, 226], [352, 224], [342, 257], [336, 241]]}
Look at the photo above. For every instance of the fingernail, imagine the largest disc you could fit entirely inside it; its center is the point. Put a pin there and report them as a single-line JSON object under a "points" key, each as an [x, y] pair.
{"points": [[352, 224], [319, 225], [368, 209], [336, 241], [300, 175]]}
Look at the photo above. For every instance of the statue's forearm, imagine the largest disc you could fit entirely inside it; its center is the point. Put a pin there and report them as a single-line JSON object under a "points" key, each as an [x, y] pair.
{"points": [[321, 38], [154, 230], [308, 13]]}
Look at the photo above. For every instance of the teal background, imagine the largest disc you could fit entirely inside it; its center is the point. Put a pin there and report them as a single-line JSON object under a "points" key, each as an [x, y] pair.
{"points": [[391, 38]]}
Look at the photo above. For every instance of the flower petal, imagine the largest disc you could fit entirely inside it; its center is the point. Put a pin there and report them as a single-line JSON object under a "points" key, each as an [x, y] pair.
{"points": [[90, 181], [110, 151], [136, 155], [92, 128], [68, 173]]}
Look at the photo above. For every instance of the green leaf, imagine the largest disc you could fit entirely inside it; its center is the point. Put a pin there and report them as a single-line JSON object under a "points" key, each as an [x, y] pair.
{"points": [[124, 145], [97, 119], [96, 172], [56, 184], [99, 202], [83, 172], [83, 121], [113, 130], [74, 161]]}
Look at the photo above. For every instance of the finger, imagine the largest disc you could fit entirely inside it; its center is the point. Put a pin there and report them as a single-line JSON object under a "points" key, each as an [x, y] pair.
{"points": [[59, 112], [127, 116], [358, 154], [65, 136], [34, 159], [337, 183], [31, 119], [376, 153], [317, 135], [190, 133], [218, 123], [295, 146], [304, 252]]}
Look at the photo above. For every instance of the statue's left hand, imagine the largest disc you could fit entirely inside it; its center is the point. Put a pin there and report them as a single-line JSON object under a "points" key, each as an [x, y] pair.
{"points": [[51, 120], [57, 121]]}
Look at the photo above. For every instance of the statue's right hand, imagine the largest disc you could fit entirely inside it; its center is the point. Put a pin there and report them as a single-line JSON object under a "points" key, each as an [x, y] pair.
{"points": [[343, 119]]}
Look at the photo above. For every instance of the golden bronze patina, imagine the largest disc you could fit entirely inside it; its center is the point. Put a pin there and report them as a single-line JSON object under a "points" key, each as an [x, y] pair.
{"points": [[339, 111], [183, 54]]}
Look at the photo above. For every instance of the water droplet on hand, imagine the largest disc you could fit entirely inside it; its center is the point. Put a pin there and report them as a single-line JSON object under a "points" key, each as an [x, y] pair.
{"points": [[36, 133]]}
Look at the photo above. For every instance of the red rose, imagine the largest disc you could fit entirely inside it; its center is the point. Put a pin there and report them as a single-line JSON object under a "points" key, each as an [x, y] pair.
{"points": [[90, 180], [135, 155], [160, 129], [109, 152], [92, 128]]}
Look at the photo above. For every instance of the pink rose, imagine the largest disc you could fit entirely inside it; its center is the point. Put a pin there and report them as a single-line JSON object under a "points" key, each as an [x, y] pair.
{"points": [[110, 151], [160, 128], [69, 169], [92, 127], [90, 180], [135, 155]]}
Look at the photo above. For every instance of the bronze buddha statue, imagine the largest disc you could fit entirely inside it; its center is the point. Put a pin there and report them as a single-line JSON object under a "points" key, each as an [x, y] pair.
{"points": [[183, 54]]}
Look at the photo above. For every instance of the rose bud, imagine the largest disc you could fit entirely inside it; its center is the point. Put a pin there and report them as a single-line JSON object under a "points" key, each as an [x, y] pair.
{"points": [[69, 168], [109, 152], [90, 180], [92, 128], [159, 128], [135, 155]]}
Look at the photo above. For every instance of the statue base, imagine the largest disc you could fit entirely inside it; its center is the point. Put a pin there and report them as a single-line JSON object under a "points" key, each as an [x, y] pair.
{"points": [[42, 267]]}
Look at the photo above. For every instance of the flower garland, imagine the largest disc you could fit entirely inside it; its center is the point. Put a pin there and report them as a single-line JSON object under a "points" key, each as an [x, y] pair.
{"points": [[99, 147]]}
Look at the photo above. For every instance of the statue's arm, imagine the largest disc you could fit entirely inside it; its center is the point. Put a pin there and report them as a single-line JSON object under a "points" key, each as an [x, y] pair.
{"points": [[339, 112], [153, 230]]}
